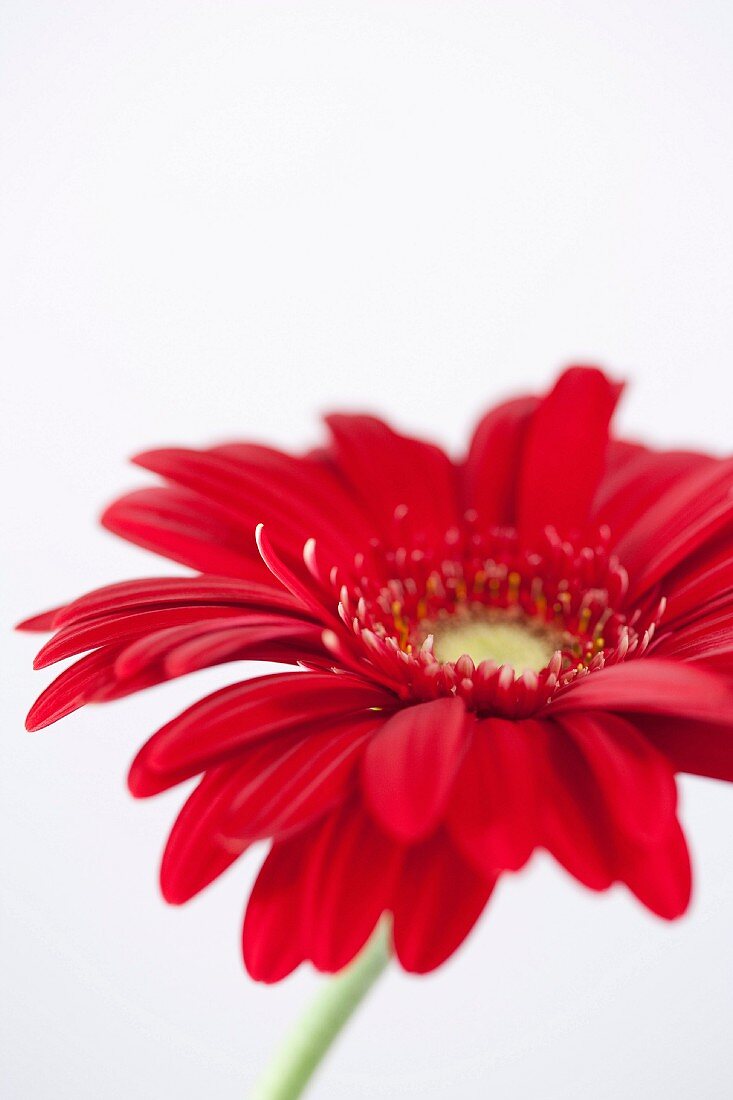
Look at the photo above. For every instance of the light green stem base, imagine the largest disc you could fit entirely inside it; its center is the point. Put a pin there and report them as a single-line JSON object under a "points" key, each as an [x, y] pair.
{"points": [[288, 1074]]}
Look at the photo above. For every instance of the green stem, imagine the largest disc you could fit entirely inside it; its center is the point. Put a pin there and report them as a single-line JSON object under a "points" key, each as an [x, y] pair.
{"points": [[288, 1074]]}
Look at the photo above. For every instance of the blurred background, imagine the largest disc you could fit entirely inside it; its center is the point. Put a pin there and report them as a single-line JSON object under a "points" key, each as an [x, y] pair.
{"points": [[221, 219]]}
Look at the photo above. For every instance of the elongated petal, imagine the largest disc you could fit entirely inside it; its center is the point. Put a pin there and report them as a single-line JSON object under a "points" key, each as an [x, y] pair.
{"points": [[626, 493], [653, 686], [272, 789], [300, 778], [286, 644], [195, 853], [250, 494], [494, 804], [352, 870], [42, 622], [682, 519], [409, 767], [437, 901], [223, 723], [387, 470], [167, 592], [705, 579], [574, 825], [493, 462], [565, 452], [691, 745], [186, 529], [91, 679], [661, 876], [636, 781], [206, 642], [118, 629], [272, 935]]}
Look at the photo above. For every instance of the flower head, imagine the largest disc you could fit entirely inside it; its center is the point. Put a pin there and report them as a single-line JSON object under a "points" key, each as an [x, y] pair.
{"points": [[511, 652]]}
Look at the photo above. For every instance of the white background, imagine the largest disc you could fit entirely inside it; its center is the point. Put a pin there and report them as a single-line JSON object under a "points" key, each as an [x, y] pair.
{"points": [[220, 219]]}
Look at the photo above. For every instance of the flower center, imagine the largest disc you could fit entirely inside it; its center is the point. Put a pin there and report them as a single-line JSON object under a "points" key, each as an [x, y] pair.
{"points": [[480, 616], [520, 642]]}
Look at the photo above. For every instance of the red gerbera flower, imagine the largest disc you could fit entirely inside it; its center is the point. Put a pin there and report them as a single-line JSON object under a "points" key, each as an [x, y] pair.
{"points": [[511, 652]]}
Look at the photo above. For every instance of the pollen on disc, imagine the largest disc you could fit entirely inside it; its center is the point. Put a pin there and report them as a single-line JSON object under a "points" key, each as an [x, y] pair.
{"points": [[502, 641]]}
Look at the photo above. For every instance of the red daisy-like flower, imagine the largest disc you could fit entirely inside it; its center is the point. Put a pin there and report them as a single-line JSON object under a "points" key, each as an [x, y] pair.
{"points": [[511, 652]]}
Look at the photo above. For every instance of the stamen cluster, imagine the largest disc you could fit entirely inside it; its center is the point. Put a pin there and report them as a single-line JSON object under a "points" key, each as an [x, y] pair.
{"points": [[570, 594]]}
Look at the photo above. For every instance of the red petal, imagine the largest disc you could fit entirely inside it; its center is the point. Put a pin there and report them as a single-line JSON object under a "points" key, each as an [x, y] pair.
{"points": [[272, 942], [187, 529], [701, 748], [650, 686], [352, 871], [76, 686], [274, 788], [297, 780], [493, 813], [565, 453], [42, 622], [661, 877], [493, 461], [387, 471], [167, 592], [282, 644], [573, 824], [678, 523], [302, 592], [304, 478], [627, 493], [207, 642], [195, 853], [219, 726], [409, 767], [249, 493], [438, 900], [115, 629], [636, 782], [704, 580], [710, 635]]}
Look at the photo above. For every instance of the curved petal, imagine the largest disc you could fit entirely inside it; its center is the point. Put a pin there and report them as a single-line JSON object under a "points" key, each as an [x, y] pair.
{"points": [[661, 876], [387, 471], [573, 825], [691, 745], [298, 781], [564, 453], [186, 529], [409, 767], [650, 685], [248, 494], [706, 581], [195, 853], [690, 513], [272, 939], [148, 593], [222, 724], [42, 622], [273, 789], [201, 644], [628, 491], [122, 629], [437, 901], [352, 871], [70, 690], [492, 465], [636, 782], [306, 478], [493, 811]]}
